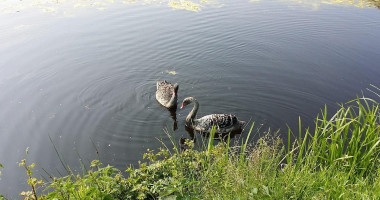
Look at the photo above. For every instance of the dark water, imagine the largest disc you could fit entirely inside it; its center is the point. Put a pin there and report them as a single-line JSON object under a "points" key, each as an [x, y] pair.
{"points": [[83, 74]]}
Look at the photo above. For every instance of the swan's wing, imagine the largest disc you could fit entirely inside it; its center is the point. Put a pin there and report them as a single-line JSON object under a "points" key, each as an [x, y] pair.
{"points": [[225, 120], [221, 121], [162, 84], [164, 91]]}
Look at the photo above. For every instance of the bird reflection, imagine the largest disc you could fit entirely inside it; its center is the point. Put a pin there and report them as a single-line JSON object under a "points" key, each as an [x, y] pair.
{"points": [[190, 131], [223, 137], [173, 114], [193, 137]]}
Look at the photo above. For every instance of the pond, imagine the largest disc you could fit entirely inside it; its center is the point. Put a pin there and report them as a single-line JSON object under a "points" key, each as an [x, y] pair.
{"points": [[80, 76]]}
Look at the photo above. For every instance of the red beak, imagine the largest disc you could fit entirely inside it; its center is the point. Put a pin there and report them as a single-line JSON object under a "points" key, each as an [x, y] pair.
{"points": [[182, 106]]}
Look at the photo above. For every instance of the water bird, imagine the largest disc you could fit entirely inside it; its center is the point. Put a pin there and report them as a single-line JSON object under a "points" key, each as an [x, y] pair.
{"points": [[166, 94], [225, 123]]}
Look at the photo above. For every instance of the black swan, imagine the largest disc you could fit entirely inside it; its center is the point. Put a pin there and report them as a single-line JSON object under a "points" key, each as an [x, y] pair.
{"points": [[225, 123], [166, 94]]}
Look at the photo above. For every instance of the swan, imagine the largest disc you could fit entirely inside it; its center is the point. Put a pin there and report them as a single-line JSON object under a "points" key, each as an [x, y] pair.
{"points": [[225, 123], [166, 94]]}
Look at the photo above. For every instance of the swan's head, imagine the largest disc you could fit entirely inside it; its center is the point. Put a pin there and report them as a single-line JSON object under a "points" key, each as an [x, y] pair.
{"points": [[175, 88], [187, 101]]}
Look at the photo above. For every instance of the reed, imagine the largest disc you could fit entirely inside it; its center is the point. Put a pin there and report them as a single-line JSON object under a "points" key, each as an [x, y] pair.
{"points": [[349, 140]]}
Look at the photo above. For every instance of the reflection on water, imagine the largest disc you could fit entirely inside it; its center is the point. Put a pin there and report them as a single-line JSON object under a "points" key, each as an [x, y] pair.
{"points": [[173, 114], [193, 134]]}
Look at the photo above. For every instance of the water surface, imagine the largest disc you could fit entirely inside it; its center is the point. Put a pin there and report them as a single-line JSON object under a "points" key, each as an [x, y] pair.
{"points": [[83, 72]]}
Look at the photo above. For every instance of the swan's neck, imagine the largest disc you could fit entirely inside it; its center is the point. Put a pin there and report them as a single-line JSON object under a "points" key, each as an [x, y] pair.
{"points": [[191, 116], [173, 100]]}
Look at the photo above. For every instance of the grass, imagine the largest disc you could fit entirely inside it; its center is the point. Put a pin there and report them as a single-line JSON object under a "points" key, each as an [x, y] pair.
{"points": [[338, 158]]}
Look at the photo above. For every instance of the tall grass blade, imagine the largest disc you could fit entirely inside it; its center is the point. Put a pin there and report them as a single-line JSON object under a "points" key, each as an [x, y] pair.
{"points": [[248, 136], [210, 143], [97, 151], [59, 156]]}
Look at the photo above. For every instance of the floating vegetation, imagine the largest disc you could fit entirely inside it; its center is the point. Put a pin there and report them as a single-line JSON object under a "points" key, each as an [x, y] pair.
{"points": [[171, 72], [185, 5], [63, 6], [356, 3], [49, 9]]}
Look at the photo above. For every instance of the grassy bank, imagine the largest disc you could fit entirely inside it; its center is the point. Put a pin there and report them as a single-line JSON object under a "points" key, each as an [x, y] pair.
{"points": [[338, 159]]}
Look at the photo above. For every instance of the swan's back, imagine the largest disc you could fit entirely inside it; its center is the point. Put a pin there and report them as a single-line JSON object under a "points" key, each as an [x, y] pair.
{"points": [[224, 123], [165, 92]]}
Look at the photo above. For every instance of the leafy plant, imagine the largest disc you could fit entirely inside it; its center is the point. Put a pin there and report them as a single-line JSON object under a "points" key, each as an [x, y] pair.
{"points": [[32, 181], [1, 196], [1, 166]]}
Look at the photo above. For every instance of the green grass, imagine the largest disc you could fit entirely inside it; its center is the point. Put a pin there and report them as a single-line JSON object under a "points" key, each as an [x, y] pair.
{"points": [[338, 158]]}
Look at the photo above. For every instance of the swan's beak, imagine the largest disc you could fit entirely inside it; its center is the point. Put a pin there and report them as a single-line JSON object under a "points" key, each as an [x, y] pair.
{"points": [[182, 106]]}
